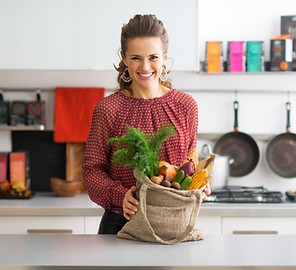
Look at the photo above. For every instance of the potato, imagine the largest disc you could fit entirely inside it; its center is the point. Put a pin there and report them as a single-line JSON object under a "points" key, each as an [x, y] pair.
{"points": [[166, 183], [176, 185], [168, 177], [156, 179]]}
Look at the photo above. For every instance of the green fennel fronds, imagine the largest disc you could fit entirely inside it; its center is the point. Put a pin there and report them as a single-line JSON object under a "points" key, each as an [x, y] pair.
{"points": [[140, 150]]}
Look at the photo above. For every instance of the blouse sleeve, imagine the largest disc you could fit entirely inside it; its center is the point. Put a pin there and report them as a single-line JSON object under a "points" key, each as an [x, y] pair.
{"points": [[193, 123], [102, 189]]}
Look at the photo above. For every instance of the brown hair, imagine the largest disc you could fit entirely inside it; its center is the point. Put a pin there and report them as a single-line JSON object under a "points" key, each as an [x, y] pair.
{"points": [[141, 26]]}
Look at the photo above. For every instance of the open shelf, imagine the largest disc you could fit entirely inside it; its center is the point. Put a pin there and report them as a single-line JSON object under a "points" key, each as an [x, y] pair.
{"points": [[22, 128], [224, 72]]}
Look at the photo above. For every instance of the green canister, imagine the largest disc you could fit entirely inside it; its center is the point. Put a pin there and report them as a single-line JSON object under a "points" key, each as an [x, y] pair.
{"points": [[255, 56]]}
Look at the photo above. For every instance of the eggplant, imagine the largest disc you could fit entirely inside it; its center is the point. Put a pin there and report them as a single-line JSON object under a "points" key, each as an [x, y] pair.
{"points": [[188, 168]]}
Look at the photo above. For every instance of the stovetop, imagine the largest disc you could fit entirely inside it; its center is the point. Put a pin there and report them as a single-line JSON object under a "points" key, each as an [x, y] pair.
{"points": [[242, 194]]}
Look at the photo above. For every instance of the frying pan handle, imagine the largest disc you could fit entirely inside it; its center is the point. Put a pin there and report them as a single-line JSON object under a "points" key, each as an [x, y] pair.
{"points": [[288, 109], [235, 107]]}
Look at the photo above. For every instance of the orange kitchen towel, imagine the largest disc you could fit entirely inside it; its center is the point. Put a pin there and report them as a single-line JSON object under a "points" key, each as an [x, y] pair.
{"points": [[73, 112]]}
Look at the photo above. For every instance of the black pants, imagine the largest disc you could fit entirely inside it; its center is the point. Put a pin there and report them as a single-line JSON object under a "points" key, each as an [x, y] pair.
{"points": [[111, 223]]}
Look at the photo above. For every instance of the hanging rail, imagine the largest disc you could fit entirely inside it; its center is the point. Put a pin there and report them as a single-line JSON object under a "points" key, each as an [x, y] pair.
{"points": [[36, 90], [243, 91]]}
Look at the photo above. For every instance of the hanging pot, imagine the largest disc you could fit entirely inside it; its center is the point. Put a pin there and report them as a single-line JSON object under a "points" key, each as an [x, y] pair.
{"points": [[240, 147], [281, 151]]}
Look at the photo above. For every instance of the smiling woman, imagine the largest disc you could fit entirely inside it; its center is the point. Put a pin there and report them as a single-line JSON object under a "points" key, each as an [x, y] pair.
{"points": [[144, 61], [143, 58], [145, 100], [144, 50]]}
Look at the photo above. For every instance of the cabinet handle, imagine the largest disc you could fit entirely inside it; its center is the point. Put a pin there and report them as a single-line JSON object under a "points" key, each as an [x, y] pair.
{"points": [[255, 232], [49, 231]]}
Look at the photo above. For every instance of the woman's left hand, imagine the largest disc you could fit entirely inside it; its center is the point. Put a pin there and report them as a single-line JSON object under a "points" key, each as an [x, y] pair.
{"points": [[207, 191], [130, 203]]}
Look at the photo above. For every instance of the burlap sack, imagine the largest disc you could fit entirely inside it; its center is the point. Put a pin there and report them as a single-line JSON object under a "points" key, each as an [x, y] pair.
{"points": [[165, 215]]}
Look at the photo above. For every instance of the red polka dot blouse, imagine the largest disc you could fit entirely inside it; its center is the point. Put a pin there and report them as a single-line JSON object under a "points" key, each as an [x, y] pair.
{"points": [[107, 183]]}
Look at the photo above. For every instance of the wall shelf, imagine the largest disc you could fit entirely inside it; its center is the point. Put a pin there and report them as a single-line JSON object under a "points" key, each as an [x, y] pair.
{"points": [[225, 72], [22, 128], [249, 73]]}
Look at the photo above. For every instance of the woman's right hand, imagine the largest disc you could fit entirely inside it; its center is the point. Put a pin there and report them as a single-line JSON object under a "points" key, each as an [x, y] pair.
{"points": [[130, 203]]}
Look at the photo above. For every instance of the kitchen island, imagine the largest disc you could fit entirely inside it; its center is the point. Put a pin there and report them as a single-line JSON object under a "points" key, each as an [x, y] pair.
{"points": [[45, 252]]}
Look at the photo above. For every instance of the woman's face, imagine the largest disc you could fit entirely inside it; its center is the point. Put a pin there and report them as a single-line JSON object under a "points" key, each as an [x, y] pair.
{"points": [[144, 59]]}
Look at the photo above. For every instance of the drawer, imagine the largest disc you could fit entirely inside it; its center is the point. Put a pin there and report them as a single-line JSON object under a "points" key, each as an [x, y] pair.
{"points": [[266, 225], [33, 224]]}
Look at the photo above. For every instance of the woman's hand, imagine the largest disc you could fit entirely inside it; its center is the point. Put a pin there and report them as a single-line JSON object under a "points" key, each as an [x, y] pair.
{"points": [[130, 203], [207, 191]]}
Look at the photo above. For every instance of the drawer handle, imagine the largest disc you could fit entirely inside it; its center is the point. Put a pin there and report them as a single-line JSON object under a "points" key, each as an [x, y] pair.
{"points": [[255, 232], [49, 231]]}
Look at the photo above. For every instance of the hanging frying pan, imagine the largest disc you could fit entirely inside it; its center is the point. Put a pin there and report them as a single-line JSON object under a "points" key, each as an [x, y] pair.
{"points": [[281, 151], [240, 147]]}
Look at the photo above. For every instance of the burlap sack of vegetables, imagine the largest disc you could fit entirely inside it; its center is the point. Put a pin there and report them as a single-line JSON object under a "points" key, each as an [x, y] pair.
{"points": [[165, 215], [169, 208]]}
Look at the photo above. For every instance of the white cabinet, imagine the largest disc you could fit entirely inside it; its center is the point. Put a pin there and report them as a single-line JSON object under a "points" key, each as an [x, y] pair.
{"points": [[33, 224], [258, 225], [48, 224], [211, 225], [91, 225]]}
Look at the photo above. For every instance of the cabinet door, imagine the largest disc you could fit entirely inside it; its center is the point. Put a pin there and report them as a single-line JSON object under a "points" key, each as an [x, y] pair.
{"points": [[266, 225], [27, 224], [91, 225], [211, 225]]}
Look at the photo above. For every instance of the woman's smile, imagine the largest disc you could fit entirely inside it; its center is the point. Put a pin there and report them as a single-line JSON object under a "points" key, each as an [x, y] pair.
{"points": [[145, 76]]}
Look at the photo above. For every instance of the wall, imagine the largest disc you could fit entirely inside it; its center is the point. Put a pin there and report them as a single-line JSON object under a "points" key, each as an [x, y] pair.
{"points": [[262, 97], [85, 34]]}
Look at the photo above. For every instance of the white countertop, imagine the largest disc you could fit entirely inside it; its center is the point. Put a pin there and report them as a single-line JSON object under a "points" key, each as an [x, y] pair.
{"points": [[109, 252], [48, 204]]}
